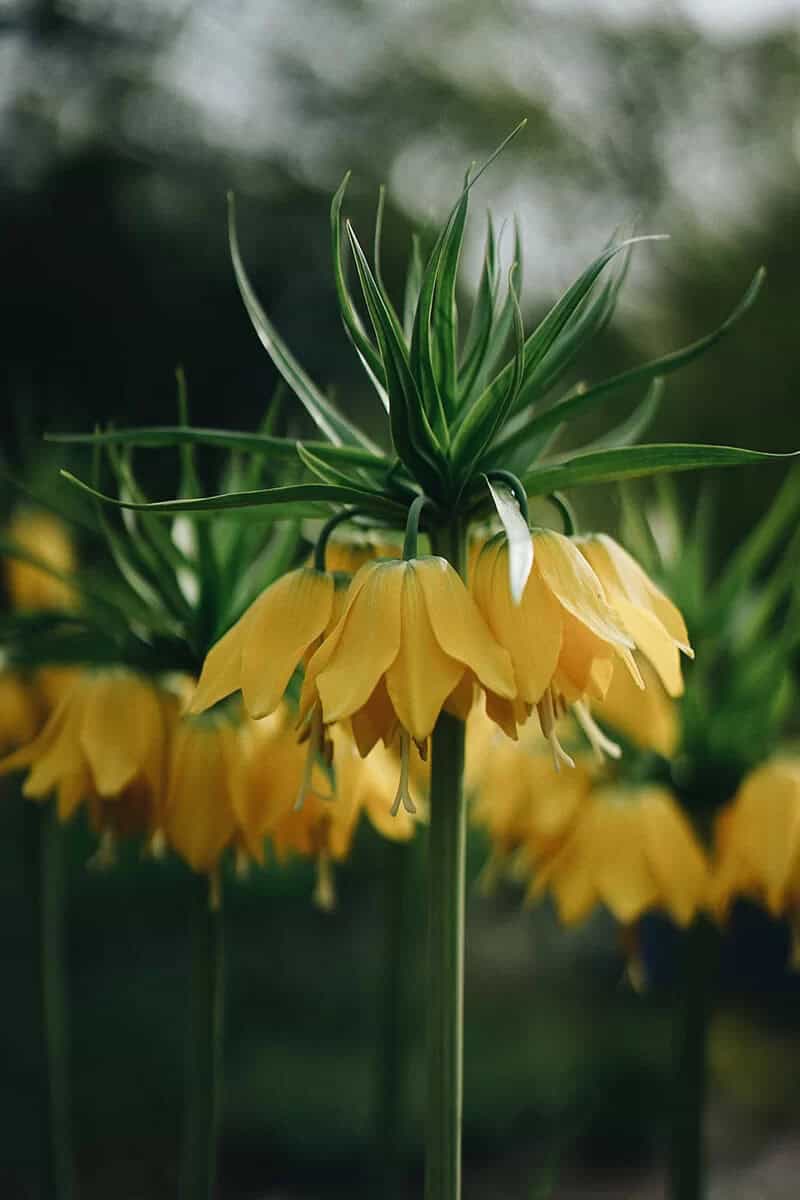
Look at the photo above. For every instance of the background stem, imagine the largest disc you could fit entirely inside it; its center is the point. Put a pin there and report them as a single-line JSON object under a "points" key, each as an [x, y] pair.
{"points": [[45, 857], [692, 1019], [204, 1046]]}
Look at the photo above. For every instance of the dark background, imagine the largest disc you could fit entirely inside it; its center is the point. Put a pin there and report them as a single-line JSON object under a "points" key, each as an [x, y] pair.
{"points": [[122, 125]]}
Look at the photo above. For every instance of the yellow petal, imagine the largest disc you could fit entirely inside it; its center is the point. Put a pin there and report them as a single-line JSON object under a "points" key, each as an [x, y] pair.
{"points": [[422, 676], [654, 642], [121, 720], [222, 670], [638, 586], [674, 854], [573, 582], [375, 721], [279, 628], [199, 814], [622, 874], [364, 643], [459, 628]]}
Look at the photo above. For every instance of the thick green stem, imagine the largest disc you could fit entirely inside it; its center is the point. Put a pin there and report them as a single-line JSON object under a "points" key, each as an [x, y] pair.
{"points": [[445, 984], [204, 1047], [43, 836], [692, 1019]]}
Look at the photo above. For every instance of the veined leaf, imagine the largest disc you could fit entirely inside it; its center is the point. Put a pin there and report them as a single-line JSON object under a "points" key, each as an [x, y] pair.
{"points": [[328, 473], [333, 424], [630, 462], [503, 324], [444, 314], [481, 320], [291, 497], [520, 542]]}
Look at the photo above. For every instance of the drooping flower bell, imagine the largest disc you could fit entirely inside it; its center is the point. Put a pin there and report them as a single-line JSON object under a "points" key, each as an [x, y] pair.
{"points": [[757, 840], [409, 638], [632, 849], [105, 741], [646, 613], [525, 805], [648, 718], [262, 650], [29, 586], [563, 636]]}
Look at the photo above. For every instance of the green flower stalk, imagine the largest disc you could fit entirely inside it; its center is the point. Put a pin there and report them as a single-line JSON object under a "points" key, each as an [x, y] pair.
{"points": [[471, 414]]}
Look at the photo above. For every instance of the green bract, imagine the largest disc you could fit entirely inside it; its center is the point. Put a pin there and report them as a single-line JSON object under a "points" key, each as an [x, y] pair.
{"points": [[460, 407]]}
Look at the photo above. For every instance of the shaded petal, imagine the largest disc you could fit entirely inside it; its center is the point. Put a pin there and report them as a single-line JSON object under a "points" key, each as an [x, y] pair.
{"points": [[375, 721], [459, 627], [280, 626], [222, 669], [121, 720], [570, 578], [676, 860], [422, 675], [654, 642], [364, 643]]}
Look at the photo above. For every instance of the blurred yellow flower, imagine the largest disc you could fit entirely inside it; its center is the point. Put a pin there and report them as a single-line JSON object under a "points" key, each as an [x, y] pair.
{"points": [[757, 839], [106, 736], [30, 587], [409, 638], [563, 637], [262, 650], [648, 718], [20, 714], [632, 850], [652, 620], [206, 781], [519, 796], [345, 557]]}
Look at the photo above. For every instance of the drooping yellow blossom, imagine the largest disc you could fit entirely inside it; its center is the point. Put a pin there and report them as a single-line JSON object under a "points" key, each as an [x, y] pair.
{"points": [[409, 638], [28, 586], [314, 815], [631, 850], [519, 796], [261, 651], [104, 741], [206, 781], [563, 637], [649, 718], [19, 711], [653, 621], [757, 840]]}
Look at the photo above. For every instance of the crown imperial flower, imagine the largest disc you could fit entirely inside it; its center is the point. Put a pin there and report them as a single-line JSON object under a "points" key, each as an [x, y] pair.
{"points": [[262, 650]]}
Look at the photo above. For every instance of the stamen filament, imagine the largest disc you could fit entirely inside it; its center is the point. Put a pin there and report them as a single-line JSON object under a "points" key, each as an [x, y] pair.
{"points": [[601, 744], [403, 795]]}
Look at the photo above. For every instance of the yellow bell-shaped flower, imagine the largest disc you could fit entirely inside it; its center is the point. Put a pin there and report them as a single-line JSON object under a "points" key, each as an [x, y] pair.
{"points": [[632, 850], [519, 797], [206, 782], [262, 650], [647, 614], [107, 736], [648, 718], [408, 639], [28, 586], [757, 840], [20, 714], [563, 636]]}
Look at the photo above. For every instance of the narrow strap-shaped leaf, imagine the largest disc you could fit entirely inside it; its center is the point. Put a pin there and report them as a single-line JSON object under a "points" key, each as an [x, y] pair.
{"points": [[630, 462], [626, 433], [578, 402], [290, 497], [279, 448], [544, 336], [414, 440], [444, 315], [413, 285], [488, 413], [323, 470], [504, 322], [783, 512], [333, 424], [481, 320], [352, 321]]}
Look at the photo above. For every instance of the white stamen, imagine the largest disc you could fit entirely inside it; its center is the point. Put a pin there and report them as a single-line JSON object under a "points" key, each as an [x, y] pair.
{"points": [[314, 745], [601, 744], [547, 720], [325, 890], [403, 795]]}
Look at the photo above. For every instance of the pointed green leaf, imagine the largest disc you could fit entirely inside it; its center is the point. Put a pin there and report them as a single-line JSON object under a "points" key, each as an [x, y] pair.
{"points": [[333, 424], [628, 432], [630, 462], [481, 320], [413, 285]]}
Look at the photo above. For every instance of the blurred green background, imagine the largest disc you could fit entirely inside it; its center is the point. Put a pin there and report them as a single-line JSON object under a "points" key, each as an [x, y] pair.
{"points": [[122, 124]]}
